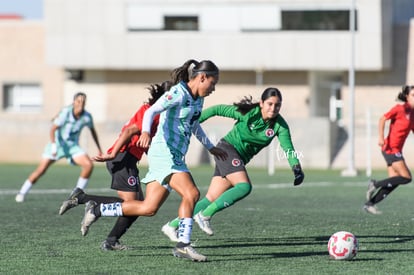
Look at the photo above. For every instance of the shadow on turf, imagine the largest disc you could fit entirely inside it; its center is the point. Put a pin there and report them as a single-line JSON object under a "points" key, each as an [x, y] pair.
{"points": [[288, 241]]}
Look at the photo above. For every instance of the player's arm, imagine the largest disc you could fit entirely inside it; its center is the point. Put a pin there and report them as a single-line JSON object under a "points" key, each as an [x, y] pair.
{"points": [[96, 140], [229, 111], [381, 127], [52, 135], [170, 98], [199, 133], [292, 156]]}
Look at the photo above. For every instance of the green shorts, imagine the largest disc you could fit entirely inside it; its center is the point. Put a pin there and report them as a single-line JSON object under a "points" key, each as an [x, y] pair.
{"points": [[63, 151], [163, 162]]}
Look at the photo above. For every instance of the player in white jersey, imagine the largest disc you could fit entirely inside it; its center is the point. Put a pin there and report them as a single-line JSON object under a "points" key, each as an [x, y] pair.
{"points": [[64, 143], [180, 109]]}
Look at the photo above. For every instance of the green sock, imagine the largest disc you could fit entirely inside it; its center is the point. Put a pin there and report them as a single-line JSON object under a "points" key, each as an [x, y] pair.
{"points": [[201, 205], [230, 197]]}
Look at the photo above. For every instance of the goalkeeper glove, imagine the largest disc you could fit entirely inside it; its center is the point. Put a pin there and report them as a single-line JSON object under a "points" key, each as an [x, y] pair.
{"points": [[298, 173]]}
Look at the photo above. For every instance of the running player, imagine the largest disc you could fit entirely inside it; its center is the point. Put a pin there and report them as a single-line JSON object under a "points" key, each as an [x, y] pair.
{"points": [[121, 161], [401, 118], [64, 143], [257, 124], [180, 109]]}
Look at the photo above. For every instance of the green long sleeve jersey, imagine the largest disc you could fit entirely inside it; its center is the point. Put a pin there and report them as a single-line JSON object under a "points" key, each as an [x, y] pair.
{"points": [[251, 133]]}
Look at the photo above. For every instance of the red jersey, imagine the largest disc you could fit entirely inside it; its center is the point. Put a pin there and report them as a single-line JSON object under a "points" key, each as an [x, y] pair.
{"points": [[137, 120], [402, 122]]}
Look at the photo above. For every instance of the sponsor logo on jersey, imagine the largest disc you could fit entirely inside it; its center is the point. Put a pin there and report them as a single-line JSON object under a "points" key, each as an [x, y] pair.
{"points": [[270, 132], [235, 162], [132, 181]]}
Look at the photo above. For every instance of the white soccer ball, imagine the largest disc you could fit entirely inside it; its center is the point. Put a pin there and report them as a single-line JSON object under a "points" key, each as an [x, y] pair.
{"points": [[343, 245]]}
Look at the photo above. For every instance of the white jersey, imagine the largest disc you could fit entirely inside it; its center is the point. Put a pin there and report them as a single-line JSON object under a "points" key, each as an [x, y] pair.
{"points": [[178, 120], [69, 127]]}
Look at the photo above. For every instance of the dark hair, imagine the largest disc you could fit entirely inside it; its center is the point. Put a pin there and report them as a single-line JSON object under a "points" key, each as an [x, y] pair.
{"points": [[78, 94], [191, 68], [404, 93], [246, 104], [157, 90]]}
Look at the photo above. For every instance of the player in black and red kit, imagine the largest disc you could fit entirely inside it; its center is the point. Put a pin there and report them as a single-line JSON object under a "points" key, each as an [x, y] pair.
{"points": [[401, 118], [121, 161]]}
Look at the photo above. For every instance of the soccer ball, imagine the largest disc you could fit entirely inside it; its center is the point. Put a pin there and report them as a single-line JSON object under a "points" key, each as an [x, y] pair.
{"points": [[342, 245]]}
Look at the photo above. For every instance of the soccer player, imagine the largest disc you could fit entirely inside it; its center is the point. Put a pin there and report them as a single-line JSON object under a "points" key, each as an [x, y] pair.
{"points": [[64, 143], [257, 124], [401, 118], [121, 161], [179, 111]]}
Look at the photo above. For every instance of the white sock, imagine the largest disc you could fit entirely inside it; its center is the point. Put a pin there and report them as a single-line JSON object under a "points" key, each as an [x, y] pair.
{"points": [[111, 209], [25, 187], [82, 183], [184, 230]]}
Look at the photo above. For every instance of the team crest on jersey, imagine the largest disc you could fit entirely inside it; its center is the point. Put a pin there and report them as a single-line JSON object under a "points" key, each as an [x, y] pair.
{"points": [[270, 132], [168, 97], [235, 162], [132, 181]]}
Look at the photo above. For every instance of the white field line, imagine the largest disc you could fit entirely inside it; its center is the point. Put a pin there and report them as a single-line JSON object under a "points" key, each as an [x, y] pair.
{"points": [[258, 186]]}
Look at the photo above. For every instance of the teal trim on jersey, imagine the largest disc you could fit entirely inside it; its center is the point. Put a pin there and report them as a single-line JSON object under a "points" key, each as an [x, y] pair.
{"points": [[251, 133], [180, 116]]}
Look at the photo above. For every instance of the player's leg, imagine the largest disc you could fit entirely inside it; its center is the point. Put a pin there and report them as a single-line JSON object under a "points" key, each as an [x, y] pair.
{"points": [[156, 194], [183, 184], [86, 165], [223, 194], [398, 173], [78, 196], [33, 177], [122, 224]]}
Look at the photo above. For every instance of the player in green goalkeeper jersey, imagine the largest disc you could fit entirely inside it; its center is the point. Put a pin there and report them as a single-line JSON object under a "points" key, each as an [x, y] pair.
{"points": [[257, 124]]}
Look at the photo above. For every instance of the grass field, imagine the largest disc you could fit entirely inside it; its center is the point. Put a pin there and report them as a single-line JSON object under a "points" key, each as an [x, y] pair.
{"points": [[277, 229]]}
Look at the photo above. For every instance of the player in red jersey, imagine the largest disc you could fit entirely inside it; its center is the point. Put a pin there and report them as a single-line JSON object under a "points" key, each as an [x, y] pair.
{"points": [[401, 118], [121, 161]]}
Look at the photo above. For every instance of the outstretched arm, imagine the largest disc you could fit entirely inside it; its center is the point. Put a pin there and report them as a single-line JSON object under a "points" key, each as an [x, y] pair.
{"points": [[123, 139], [95, 138]]}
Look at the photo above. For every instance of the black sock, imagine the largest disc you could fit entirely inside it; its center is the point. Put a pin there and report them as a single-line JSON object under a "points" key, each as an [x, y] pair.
{"points": [[84, 198], [381, 194], [392, 182], [121, 226]]}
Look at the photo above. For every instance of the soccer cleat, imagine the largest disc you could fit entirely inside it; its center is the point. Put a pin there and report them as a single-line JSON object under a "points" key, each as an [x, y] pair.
{"points": [[170, 232], [372, 209], [189, 252], [71, 202], [106, 246], [203, 223], [19, 198], [89, 217], [371, 189]]}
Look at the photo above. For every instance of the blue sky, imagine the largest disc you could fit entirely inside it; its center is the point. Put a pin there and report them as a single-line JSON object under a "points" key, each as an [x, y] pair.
{"points": [[29, 9]]}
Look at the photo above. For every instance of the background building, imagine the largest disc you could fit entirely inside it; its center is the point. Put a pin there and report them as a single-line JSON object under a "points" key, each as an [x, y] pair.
{"points": [[113, 49]]}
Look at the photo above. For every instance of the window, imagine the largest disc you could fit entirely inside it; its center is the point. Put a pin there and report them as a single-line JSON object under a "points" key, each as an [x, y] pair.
{"points": [[316, 20], [180, 23], [22, 97]]}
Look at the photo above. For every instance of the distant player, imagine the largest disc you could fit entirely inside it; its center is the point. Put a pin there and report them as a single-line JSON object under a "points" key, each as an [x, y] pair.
{"points": [[401, 118], [121, 161], [64, 143], [257, 124]]}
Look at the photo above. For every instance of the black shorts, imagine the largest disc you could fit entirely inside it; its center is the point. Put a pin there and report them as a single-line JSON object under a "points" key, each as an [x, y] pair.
{"points": [[124, 171], [390, 158], [232, 164]]}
